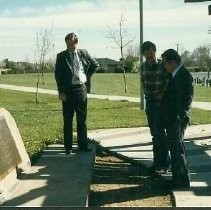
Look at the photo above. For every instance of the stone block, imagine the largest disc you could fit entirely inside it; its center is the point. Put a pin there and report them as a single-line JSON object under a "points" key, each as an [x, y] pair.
{"points": [[13, 155]]}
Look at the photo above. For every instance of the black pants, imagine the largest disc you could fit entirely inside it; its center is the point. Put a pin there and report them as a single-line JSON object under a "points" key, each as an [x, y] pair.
{"points": [[179, 167], [76, 102]]}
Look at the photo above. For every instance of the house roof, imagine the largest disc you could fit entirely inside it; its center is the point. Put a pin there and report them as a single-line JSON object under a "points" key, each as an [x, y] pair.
{"points": [[107, 61]]}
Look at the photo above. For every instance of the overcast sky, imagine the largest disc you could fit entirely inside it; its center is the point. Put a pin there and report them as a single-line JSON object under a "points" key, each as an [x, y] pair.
{"points": [[166, 23]]}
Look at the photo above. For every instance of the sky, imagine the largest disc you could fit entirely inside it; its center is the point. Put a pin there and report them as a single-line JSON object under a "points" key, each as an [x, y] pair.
{"points": [[166, 23]]}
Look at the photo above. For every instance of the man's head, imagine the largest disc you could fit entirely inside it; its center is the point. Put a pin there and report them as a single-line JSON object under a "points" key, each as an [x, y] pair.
{"points": [[71, 41], [148, 49], [171, 60]]}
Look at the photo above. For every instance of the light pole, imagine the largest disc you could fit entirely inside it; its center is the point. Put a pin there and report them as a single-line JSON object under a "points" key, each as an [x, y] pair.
{"points": [[141, 56], [177, 47]]}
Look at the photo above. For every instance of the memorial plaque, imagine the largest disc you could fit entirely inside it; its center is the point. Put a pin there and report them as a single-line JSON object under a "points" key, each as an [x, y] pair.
{"points": [[9, 155]]}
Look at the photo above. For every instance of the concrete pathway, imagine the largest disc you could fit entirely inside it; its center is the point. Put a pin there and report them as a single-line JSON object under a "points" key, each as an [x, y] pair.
{"points": [[56, 179], [199, 105], [134, 144]]}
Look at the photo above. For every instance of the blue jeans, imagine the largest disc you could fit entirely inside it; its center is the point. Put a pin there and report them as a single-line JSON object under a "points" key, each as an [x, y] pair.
{"points": [[156, 124]]}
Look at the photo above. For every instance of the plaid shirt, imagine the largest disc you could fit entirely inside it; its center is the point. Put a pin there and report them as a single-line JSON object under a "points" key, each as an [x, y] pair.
{"points": [[154, 79]]}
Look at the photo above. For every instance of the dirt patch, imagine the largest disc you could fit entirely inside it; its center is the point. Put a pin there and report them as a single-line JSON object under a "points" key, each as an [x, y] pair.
{"points": [[119, 184]]}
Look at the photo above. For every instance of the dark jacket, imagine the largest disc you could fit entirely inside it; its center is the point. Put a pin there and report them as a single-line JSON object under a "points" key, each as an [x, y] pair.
{"points": [[177, 97], [63, 71]]}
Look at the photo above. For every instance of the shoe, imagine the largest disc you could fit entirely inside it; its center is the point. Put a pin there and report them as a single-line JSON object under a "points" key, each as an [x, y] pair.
{"points": [[151, 169], [170, 185], [68, 151], [155, 175], [183, 185], [85, 150], [162, 170], [155, 171], [173, 186]]}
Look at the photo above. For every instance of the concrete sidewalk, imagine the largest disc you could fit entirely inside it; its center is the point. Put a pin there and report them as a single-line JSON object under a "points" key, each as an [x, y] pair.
{"points": [[135, 145], [56, 179], [61, 180], [199, 105]]}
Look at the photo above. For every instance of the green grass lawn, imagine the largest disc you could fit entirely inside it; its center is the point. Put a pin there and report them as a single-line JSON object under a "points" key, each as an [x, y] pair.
{"points": [[202, 93], [109, 84], [41, 124]]}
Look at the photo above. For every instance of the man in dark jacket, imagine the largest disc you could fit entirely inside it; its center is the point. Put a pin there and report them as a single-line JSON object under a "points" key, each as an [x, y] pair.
{"points": [[74, 68], [176, 103]]}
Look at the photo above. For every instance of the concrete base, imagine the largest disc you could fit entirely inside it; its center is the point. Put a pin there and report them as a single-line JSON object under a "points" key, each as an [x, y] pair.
{"points": [[194, 197], [13, 154], [8, 185], [135, 144], [56, 180], [200, 179]]}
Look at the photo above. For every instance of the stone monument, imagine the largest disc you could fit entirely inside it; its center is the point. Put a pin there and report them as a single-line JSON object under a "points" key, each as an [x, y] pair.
{"points": [[13, 155]]}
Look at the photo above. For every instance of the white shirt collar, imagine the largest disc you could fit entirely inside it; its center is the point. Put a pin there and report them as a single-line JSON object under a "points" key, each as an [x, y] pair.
{"points": [[75, 51], [176, 70]]}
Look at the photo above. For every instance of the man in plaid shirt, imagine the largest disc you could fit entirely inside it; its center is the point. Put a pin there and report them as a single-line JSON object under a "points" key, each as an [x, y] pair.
{"points": [[154, 80]]}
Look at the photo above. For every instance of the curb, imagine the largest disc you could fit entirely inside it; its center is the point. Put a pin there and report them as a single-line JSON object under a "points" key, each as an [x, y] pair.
{"points": [[91, 174]]}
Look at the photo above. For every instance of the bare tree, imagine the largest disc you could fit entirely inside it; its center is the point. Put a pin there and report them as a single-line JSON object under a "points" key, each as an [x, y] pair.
{"points": [[37, 87], [121, 38], [44, 44], [202, 57], [133, 50], [186, 58]]}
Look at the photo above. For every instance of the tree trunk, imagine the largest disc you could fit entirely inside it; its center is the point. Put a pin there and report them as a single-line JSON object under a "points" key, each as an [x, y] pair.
{"points": [[42, 70], [123, 70], [38, 81], [43, 82]]}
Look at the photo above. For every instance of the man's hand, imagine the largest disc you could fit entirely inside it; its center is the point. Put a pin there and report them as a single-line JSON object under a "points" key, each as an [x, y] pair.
{"points": [[158, 95], [62, 97]]}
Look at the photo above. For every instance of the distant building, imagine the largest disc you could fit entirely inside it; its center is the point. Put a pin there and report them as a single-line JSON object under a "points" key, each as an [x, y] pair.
{"points": [[24, 67], [108, 65], [12, 67]]}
